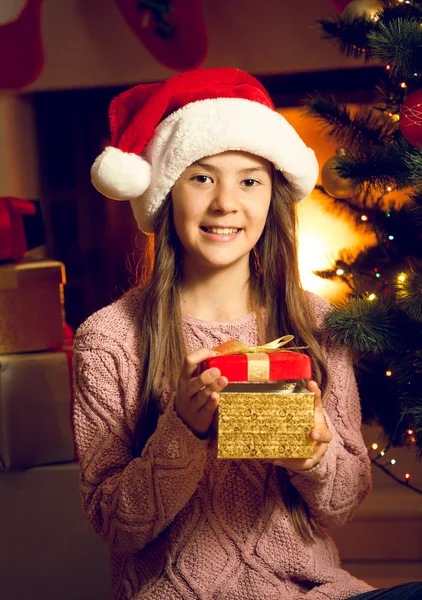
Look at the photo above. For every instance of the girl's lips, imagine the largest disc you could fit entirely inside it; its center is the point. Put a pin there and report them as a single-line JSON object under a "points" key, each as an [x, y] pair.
{"points": [[219, 237]]}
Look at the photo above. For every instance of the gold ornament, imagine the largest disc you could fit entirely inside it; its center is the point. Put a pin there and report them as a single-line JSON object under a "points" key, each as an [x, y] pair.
{"points": [[332, 183], [363, 8]]}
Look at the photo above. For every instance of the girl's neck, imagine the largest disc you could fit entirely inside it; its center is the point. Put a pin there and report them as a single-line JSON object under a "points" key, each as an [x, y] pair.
{"points": [[219, 295]]}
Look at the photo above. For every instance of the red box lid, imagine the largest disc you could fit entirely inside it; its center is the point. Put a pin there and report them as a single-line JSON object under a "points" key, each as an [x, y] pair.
{"points": [[284, 366]]}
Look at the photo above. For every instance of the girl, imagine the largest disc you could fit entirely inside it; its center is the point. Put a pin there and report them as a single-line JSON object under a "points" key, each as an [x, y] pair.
{"points": [[213, 172]]}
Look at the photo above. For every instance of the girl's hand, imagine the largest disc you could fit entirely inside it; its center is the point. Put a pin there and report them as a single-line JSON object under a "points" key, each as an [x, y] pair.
{"points": [[197, 397], [320, 434]]}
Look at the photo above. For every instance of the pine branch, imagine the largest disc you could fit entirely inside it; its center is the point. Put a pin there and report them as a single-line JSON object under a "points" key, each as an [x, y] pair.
{"points": [[364, 325], [413, 160], [378, 166], [362, 128], [349, 34], [398, 43], [409, 295]]}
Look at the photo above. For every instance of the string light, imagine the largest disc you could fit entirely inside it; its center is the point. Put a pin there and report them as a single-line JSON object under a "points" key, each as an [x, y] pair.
{"points": [[391, 237], [410, 432], [339, 272], [401, 277], [389, 373], [403, 85], [364, 218], [374, 446], [407, 476], [388, 214], [389, 188], [371, 297], [378, 275], [393, 461], [395, 117], [388, 67], [382, 452]]}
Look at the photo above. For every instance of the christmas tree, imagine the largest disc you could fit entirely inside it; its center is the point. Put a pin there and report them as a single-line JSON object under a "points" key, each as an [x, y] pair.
{"points": [[378, 163]]}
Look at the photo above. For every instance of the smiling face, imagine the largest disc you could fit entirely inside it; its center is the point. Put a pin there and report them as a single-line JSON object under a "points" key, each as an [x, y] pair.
{"points": [[220, 205]]}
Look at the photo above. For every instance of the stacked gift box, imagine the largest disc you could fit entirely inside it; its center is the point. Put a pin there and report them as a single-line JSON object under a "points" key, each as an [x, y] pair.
{"points": [[35, 365]]}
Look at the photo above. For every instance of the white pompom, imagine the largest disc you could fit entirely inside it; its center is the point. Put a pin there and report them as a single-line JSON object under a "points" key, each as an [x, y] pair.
{"points": [[120, 175]]}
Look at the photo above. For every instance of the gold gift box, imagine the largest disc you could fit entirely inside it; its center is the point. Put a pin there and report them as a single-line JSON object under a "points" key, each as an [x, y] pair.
{"points": [[265, 420], [31, 306]]}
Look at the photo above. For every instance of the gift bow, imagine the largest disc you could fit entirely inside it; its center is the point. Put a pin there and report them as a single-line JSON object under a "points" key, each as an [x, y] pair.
{"points": [[236, 347]]}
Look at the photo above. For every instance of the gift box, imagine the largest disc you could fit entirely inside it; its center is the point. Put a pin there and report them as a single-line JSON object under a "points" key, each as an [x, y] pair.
{"points": [[31, 306], [36, 409], [265, 411]]}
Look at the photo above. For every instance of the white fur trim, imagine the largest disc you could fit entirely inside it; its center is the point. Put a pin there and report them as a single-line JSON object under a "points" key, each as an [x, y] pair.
{"points": [[208, 127], [120, 175]]}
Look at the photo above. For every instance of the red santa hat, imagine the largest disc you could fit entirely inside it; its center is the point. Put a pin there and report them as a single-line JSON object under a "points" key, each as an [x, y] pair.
{"points": [[159, 129]]}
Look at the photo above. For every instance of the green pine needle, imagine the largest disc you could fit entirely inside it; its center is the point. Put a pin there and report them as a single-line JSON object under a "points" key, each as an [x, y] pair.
{"points": [[409, 295], [413, 160], [399, 44], [362, 128], [379, 166], [361, 324], [349, 34]]}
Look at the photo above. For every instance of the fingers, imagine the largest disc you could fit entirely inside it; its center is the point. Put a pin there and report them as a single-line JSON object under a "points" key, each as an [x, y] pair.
{"points": [[192, 361]]}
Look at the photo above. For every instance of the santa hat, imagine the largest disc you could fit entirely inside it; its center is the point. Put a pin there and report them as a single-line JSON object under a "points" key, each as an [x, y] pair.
{"points": [[159, 129]]}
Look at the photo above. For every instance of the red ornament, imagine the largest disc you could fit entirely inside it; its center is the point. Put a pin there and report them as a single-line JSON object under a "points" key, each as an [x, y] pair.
{"points": [[411, 118]]}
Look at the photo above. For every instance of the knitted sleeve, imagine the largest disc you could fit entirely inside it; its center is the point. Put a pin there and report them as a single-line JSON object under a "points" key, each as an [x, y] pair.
{"points": [[128, 501], [336, 487]]}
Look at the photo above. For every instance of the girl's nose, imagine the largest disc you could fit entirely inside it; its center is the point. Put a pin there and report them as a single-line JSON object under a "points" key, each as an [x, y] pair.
{"points": [[224, 200]]}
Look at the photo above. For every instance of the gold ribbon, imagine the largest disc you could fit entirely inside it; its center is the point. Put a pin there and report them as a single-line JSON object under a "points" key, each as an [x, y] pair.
{"points": [[259, 363]]}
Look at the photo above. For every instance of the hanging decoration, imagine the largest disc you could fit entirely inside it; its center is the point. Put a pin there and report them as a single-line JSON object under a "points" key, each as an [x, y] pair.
{"points": [[411, 118], [173, 31], [20, 42], [12, 233], [362, 8], [332, 183]]}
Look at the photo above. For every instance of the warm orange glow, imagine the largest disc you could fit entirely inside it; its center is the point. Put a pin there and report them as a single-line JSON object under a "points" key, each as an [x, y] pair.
{"points": [[388, 373], [407, 475], [410, 431], [374, 446], [364, 218]]}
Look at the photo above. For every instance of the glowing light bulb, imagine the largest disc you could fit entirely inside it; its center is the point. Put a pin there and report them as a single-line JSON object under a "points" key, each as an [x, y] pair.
{"points": [[393, 461], [388, 67], [403, 85], [388, 373], [378, 275], [389, 188], [407, 476], [391, 237], [388, 214], [364, 218], [401, 277], [410, 432], [382, 452], [374, 446], [339, 272], [371, 297]]}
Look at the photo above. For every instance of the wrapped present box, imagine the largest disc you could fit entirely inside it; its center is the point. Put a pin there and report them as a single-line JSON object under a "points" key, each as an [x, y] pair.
{"points": [[31, 306], [35, 409], [265, 411]]}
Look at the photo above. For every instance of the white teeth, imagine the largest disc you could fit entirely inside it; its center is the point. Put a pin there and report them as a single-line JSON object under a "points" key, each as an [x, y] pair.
{"points": [[221, 231]]}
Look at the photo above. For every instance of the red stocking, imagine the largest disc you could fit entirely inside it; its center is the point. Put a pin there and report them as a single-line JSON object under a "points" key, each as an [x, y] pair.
{"points": [[173, 31], [20, 42]]}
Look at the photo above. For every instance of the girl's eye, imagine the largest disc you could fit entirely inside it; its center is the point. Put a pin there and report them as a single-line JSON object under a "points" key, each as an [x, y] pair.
{"points": [[250, 182], [202, 178]]}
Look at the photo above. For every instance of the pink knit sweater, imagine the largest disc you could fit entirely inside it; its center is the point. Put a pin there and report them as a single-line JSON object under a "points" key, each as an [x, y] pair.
{"points": [[181, 524]]}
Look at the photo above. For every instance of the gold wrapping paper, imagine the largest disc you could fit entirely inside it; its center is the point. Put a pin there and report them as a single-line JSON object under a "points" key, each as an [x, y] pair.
{"points": [[265, 425], [31, 306]]}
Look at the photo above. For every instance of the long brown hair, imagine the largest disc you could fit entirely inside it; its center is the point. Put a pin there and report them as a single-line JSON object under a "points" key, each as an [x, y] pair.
{"points": [[274, 284]]}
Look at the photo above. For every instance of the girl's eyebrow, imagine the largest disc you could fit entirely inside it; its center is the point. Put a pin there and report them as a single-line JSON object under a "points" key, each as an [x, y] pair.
{"points": [[213, 168]]}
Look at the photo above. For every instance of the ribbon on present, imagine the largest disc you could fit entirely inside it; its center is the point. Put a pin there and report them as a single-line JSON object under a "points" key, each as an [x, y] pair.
{"points": [[12, 233], [257, 356]]}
